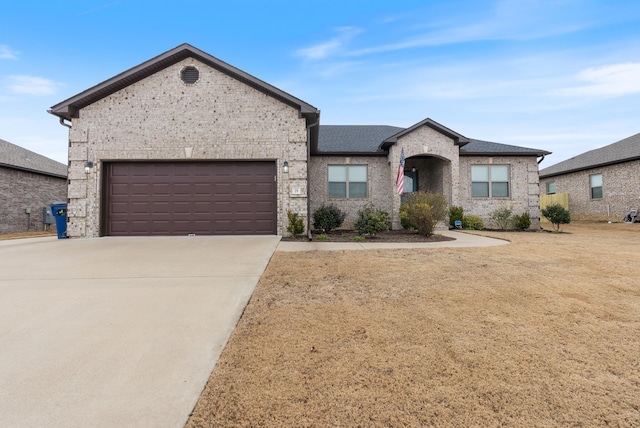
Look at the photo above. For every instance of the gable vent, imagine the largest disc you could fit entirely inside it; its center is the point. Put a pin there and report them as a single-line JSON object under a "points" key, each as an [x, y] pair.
{"points": [[190, 75]]}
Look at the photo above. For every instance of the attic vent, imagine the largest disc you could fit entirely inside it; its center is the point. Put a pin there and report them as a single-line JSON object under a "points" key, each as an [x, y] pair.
{"points": [[190, 75]]}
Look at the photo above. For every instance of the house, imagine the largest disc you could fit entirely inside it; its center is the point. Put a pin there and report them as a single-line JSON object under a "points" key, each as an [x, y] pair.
{"points": [[602, 184], [187, 144], [29, 183]]}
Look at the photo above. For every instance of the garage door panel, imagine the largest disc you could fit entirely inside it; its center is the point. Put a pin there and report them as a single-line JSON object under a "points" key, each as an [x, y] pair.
{"points": [[178, 198]]}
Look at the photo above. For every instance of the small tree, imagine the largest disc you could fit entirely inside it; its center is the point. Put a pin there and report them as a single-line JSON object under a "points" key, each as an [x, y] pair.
{"points": [[328, 217], [455, 213], [296, 223], [371, 221], [422, 211], [557, 215], [503, 218]]}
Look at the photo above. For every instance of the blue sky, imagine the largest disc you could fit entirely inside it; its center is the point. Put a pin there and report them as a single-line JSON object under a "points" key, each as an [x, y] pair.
{"points": [[562, 75]]}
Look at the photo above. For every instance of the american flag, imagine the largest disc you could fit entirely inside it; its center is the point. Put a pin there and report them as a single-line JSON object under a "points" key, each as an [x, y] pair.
{"points": [[400, 177]]}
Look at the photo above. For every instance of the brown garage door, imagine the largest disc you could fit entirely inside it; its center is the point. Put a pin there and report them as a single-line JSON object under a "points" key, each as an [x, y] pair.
{"points": [[179, 198]]}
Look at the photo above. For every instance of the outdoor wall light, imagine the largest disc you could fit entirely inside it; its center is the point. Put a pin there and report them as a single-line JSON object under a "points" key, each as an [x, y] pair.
{"points": [[285, 167], [413, 170], [87, 167]]}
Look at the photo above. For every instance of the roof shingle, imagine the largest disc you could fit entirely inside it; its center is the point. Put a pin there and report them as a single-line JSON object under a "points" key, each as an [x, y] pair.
{"points": [[622, 151], [20, 158]]}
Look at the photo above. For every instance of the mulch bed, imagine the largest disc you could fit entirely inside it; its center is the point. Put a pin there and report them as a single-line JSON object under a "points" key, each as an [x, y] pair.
{"points": [[388, 236]]}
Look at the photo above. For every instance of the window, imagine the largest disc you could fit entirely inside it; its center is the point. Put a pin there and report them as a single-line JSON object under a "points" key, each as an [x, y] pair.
{"points": [[595, 182], [551, 188], [347, 181], [490, 181]]}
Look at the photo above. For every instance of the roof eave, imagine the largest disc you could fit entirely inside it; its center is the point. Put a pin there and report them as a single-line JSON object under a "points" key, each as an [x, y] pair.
{"points": [[599, 165], [35, 171], [536, 154]]}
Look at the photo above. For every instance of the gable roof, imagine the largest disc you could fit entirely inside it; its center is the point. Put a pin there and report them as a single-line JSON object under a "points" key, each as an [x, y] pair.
{"points": [[376, 139], [16, 157], [624, 150], [458, 139], [69, 108], [483, 148]]}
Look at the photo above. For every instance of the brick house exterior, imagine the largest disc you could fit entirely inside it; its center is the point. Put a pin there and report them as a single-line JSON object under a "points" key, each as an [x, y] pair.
{"points": [[602, 184], [29, 182], [154, 136]]}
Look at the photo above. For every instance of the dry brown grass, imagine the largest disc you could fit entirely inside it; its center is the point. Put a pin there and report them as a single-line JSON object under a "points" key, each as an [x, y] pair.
{"points": [[31, 234], [542, 332]]}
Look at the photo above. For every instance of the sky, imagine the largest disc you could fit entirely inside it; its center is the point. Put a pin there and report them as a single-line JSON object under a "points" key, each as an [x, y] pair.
{"points": [[556, 75]]}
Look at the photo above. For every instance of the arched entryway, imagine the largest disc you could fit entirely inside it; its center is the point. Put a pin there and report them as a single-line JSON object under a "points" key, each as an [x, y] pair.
{"points": [[428, 174]]}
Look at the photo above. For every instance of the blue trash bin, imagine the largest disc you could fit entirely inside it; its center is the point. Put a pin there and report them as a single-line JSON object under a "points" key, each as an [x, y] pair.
{"points": [[59, 212]]}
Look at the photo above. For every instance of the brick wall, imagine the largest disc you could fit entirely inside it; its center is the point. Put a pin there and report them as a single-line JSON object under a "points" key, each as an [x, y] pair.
{"points": [[162, 118], [524, 188], [620, 191], [20, 190], [378, 184]]}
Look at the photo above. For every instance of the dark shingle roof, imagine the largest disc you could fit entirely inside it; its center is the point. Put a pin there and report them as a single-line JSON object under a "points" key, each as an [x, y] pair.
{"points": [[621, 151], [369, 139], [13, 156], [479, 147], [354, 139]]}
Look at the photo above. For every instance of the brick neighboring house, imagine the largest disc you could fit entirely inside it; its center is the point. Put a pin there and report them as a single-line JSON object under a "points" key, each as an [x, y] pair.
{"points": [[29, 182], [185, 143], [602, 184]]}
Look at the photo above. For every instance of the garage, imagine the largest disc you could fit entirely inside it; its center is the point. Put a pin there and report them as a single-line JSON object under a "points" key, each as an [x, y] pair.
{"points": [[182, 198]]}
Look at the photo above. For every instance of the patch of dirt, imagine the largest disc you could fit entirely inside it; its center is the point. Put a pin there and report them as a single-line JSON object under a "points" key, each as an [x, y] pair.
{"points": [[388, 236], [542, 332], [31, 234]]}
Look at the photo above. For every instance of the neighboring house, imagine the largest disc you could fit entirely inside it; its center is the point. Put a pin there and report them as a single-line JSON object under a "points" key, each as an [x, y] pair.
{"points": [[29, 182], [187, 144], [602, 184]]}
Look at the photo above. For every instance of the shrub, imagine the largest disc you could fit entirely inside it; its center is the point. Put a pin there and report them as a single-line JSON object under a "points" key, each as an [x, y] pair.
{"points": [[327, 218], [296, 223], [472, 222], [322, 237], [557, 215], [522, 221], [371, 221], [502, 217], [422, 211], [455, 213]]}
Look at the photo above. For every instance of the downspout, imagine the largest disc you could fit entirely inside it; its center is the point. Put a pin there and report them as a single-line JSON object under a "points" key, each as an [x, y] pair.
{"points": [[309, 177], [541, 159], [64, 124]]}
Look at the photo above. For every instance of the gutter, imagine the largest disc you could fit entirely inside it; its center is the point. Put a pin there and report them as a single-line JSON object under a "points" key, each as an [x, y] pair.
{"points": [[309, 176]]}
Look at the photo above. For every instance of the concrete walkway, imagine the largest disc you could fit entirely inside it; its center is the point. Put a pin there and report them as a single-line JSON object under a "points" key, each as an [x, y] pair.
{"points": [[461, 240], [117, 332]]}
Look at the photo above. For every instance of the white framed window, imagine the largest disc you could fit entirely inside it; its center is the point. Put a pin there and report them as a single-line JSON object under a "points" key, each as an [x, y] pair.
{"points": [[490, 181], [551, 188], [347, 181], [595, 183]]}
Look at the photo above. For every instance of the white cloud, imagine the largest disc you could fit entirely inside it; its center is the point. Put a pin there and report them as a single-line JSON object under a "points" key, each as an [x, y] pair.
{"points": [[330, 47], [607, 81], [32, 85], [7, 53]]}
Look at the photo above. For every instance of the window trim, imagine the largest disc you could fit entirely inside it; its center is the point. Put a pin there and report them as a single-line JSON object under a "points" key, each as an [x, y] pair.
{"points": [[347, 195], [592, 187], [490, 182]]}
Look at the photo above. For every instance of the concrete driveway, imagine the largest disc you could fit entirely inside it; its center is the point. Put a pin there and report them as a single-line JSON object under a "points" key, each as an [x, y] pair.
{"points": [[117, 332]]}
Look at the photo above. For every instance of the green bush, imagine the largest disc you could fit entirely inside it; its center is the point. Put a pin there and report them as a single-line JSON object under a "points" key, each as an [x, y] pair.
{"points": [[371, 221], [455, 213], [422, 211], [522, 221], [472, 222], [327, 218], [502, 218], [557, 215], [296, 223]]}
